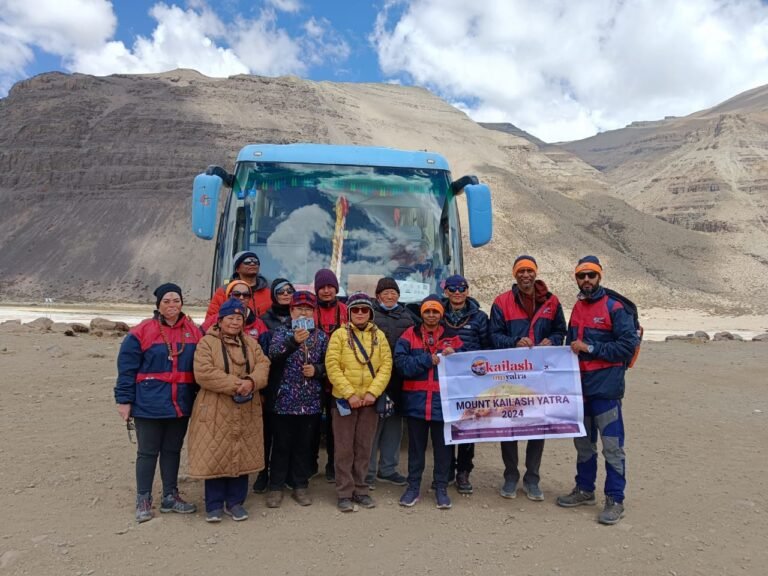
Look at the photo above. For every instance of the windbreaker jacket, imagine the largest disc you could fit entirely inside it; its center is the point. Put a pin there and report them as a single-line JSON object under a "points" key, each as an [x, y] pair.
{"points": [[226, 438], [347, 375], [259, 303], [413, 360], [509, 320], [155, 385], [604, 323], [472, 328]]}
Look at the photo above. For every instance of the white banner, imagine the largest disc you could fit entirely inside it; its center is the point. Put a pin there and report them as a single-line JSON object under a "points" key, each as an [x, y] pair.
{"points": [[512, 394]]}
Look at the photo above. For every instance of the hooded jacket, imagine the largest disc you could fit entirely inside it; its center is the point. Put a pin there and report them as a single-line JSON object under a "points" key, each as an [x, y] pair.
{"points": [[470, 324], [226, 438], [156, 385], [602, 322], [509, 319]]}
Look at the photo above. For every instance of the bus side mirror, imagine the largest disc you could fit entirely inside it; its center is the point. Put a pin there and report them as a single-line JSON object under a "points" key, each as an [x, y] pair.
{"points": [[480, 214], [205, 204]]}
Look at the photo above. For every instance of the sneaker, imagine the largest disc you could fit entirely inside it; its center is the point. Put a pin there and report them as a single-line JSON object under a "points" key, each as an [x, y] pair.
{"points": [[442, 499], [301, 496], [409, 497], [174, 503], [395, 478], [364, 500], [612, 513], [262, 481], [371, 483], [463, 485], [533, 492], [577, 497], [236, 512], [214, 516], [274, 498], [346, 505], [509, 490], [143, 507], [434, 484], [330, 474]]}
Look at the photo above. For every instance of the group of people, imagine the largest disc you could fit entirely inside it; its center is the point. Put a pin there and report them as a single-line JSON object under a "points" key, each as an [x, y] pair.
{"points": [[272, 369]]}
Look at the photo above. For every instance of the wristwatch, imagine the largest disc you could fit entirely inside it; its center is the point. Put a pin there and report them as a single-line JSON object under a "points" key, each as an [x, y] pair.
{"points": [[590, 348]]}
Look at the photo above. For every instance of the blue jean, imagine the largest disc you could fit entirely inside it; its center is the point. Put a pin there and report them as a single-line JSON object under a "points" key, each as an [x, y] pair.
{"points": [[229, 491], [603, 417], [385, 455], [418, 432]]}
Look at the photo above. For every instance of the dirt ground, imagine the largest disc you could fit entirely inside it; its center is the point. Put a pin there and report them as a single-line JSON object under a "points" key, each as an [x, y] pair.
{"points": [[696, 500]]}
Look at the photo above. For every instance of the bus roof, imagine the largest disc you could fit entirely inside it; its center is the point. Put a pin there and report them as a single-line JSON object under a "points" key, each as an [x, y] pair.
{"points": [[341, 155]]}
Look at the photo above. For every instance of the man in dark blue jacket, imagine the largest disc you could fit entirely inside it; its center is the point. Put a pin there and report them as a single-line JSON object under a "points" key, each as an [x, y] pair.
{"points": [[528, 315], [463, 318], [602, 332]]}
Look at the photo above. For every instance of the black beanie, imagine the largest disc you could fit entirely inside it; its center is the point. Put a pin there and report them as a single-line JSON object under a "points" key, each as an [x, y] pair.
{"points": [[387, 284], [163, 289]]}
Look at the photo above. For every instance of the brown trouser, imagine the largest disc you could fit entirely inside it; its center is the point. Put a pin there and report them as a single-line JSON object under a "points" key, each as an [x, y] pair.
{"points": [[352, 443]]}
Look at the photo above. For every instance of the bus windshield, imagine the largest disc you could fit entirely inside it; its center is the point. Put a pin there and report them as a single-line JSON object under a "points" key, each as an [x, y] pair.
{"points": [[362, 222]]}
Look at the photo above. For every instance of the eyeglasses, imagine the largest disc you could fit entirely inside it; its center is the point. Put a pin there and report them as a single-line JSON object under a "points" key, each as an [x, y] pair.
{"points": [[590, 275], [251, 261], [238, 294], [459, 289], [285, 291], [131, 427], [359, 309]]}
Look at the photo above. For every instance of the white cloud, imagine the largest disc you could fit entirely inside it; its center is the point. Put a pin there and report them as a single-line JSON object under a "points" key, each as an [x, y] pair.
{"points": [[285, 5], [563, 70]]}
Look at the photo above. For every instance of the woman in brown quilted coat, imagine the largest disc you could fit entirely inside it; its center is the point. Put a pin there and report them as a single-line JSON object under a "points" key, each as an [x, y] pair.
{"points": [[225, 432]]}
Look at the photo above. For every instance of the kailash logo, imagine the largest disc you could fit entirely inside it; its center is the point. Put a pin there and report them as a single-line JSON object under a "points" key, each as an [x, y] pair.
{"points": [[481, 366]]}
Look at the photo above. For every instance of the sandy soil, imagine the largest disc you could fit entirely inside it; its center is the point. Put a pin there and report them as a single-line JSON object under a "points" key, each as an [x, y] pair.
{"points": [[696, 501]]}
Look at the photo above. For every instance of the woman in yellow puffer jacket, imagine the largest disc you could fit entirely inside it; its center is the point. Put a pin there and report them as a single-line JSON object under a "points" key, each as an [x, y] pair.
{"points": [[358, 363]]}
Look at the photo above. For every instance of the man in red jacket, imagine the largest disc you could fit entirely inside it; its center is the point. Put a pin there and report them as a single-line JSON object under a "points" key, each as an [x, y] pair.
{"points": [[246, 267]]}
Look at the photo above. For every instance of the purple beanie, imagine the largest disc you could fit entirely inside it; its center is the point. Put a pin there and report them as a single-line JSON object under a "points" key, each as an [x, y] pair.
{"points": [[325, 277]]}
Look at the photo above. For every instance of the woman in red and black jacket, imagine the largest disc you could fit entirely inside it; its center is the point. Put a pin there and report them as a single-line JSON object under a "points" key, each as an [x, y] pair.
{"points": [[417, 355], [156, 387]]}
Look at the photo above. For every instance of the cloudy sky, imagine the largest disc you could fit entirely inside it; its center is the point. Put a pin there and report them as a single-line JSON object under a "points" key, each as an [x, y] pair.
{"points": [[560, 69]]}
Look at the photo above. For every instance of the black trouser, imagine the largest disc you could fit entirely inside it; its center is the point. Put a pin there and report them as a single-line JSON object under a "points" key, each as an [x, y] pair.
{"points": [[229, 491], [161, 437], [418, 432], [267, 426], [326, 428], [533, 452], [462, 463], [292, 444]]}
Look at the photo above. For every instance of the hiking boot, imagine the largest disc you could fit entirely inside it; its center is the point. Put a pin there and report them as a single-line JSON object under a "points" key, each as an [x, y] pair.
{"points": [[274, 498], [330, 474], [174, 503], [509, 490], [214, 515], [533, 492], [143, 507], [301, 496], [409, 497], [612, 513], [577, 497], [346, 505], [262, 481], [442, 499], [395, 478], [236, 512], [364, 500], [463, 485]]}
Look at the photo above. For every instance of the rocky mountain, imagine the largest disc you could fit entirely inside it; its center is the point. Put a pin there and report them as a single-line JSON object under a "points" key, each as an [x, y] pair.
{"points": [[97, 171], [706, 172]]}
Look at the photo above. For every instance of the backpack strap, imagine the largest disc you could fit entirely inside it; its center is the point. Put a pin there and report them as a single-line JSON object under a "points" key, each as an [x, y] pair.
{"points": [[363, 352]]}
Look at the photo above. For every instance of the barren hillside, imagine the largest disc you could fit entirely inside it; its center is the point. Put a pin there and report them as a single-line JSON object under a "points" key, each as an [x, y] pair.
{"points": [[97, 175]]}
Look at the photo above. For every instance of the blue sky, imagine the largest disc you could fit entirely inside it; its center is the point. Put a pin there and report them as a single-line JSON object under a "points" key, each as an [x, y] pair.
{"points": [[561, 69]]}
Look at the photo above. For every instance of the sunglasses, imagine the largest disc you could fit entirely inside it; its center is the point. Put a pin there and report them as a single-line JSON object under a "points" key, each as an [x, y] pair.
{"points": [[590, 275], [359, 309], [251, 261], [285, 291], [238, 294], [459, 289]]}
